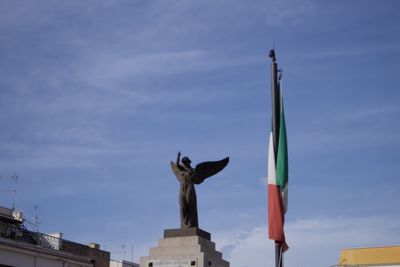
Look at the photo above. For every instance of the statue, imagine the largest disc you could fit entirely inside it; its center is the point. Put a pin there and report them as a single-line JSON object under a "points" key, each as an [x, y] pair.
{"points": [[188, 177]]}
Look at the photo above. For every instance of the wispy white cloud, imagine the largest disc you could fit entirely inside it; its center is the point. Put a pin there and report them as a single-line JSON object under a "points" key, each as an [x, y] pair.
{"points": [[114, 68], [373, 112], [348, 128], [104, 71], [346, 50], [313, 242], [287, 12]]}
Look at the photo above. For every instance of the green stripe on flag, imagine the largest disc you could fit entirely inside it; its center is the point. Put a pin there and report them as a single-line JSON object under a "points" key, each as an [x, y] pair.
{"points": [[282, 175]]}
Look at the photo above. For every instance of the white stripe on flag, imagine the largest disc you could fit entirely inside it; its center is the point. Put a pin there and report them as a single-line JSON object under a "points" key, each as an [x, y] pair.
{"points": [[271, 161]]}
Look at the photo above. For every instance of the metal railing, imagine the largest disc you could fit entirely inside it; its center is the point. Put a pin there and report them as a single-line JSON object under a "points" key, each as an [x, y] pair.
{"points": [[18, 232], [15, 230]]}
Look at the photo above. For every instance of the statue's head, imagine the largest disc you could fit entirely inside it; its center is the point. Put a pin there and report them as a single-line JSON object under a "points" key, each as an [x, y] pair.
{"points": [[186, 161]]}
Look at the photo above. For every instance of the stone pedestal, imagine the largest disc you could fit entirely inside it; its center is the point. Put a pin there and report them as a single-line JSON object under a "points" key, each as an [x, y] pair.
{"points": [[189, 247]]}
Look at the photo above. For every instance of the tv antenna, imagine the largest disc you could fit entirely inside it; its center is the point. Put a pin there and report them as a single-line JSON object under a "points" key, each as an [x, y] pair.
{"points": [[14, 179]]}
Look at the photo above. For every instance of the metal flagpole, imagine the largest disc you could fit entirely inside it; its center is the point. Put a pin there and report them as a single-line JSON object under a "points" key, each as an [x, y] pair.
{"points": [[275, 101], [276, 108], [278, 255]]}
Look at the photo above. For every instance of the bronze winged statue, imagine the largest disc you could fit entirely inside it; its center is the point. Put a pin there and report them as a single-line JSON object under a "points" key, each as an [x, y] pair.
{"points": [[188, 177]]}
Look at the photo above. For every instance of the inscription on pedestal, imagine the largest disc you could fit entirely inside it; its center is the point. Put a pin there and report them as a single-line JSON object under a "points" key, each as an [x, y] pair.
{"points": [[172, 263]]}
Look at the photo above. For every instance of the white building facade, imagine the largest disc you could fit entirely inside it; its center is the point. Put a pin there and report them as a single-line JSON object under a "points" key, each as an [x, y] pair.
{"points": [[18, 254]]}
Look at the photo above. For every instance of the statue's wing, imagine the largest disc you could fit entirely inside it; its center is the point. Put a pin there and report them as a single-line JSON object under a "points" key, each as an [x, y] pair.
{"points": [[206, 169], [175, 169]]}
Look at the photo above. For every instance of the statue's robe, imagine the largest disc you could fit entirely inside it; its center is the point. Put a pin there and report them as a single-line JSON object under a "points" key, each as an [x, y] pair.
{"points": [[187, 200]]}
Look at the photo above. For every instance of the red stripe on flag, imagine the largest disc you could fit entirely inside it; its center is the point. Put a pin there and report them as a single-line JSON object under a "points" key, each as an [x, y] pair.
{"points": [[276, 216]]}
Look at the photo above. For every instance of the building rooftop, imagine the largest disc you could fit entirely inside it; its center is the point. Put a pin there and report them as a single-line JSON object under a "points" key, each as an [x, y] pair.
{"points": [[12, 229], [372, 256]]}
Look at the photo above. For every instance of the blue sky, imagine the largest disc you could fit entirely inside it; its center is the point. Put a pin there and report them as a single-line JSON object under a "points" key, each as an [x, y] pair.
{"points": [[96, 97]]}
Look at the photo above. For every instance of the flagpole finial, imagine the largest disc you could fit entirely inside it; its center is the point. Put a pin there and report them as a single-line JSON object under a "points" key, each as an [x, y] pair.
{"points": [[272, 55]]}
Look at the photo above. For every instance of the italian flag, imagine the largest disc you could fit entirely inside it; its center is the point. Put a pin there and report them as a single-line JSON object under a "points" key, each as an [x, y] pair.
{"points": [[278, 183]]}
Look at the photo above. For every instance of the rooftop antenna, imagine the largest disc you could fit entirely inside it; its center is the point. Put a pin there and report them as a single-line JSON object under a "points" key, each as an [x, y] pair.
{"points": [[36, 219], [33, 222], [14, 178], [124, 251], [132, 252]]}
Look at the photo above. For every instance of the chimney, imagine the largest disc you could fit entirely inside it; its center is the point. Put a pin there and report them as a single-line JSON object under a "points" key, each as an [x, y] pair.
{"points": [[94, 245]]}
